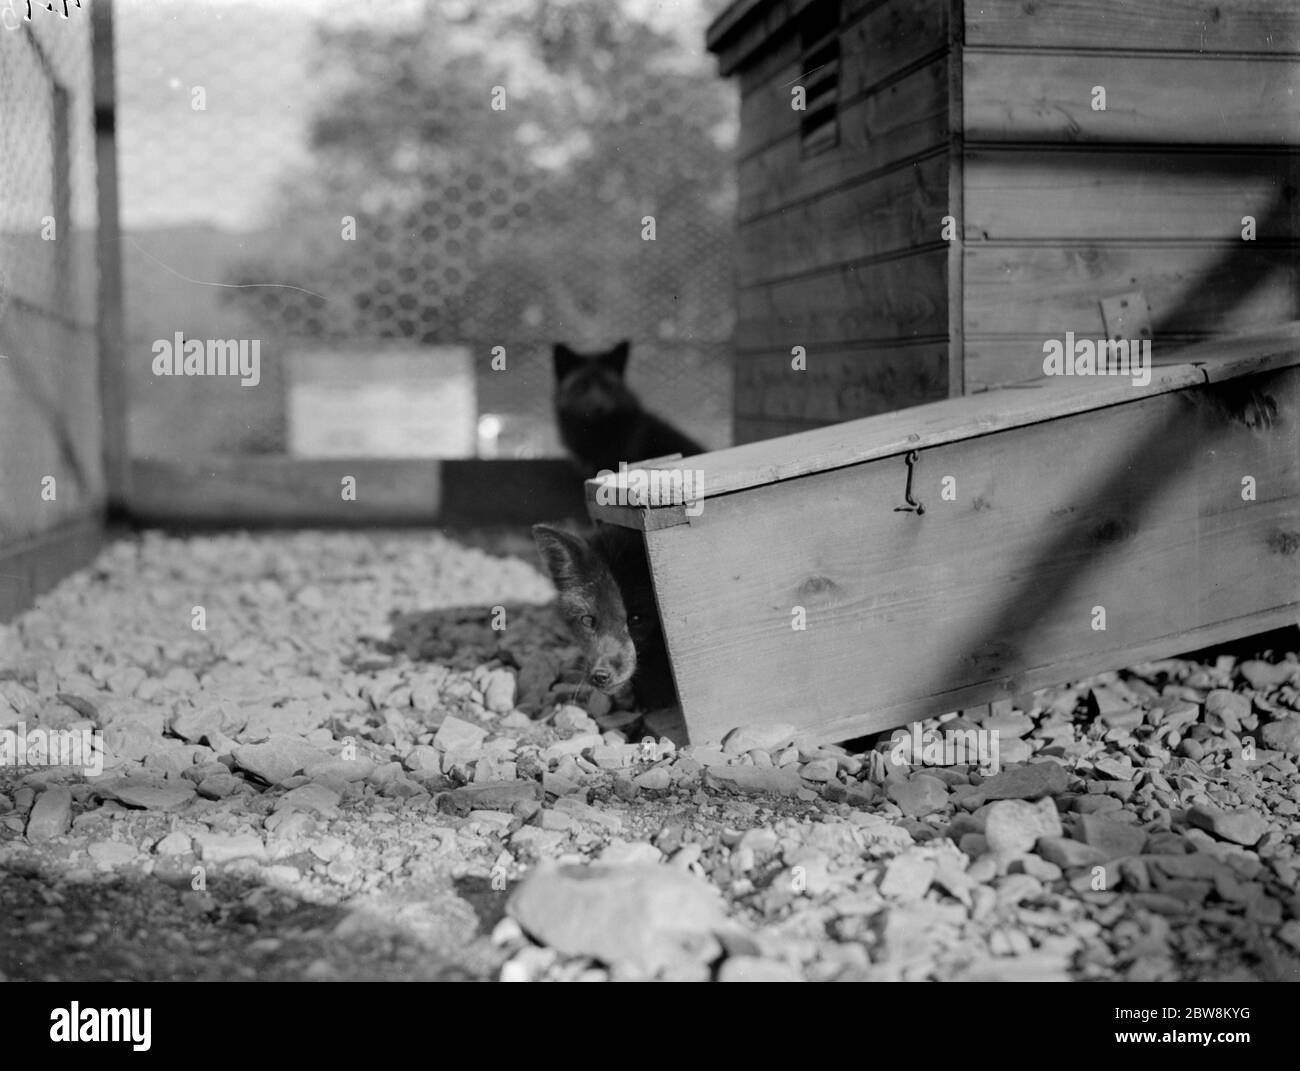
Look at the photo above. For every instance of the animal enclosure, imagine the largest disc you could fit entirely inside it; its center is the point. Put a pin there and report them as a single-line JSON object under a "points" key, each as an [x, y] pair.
{"points": [[290, 691], [929, 188]]}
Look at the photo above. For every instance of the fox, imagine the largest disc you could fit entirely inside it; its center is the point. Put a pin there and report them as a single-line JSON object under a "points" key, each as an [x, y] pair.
{"points": [[601, 421], [606, 600]]}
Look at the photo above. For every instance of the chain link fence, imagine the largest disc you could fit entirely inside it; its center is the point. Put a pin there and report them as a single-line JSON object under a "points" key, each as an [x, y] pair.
{"points": [[50, 464], [385, 196]]}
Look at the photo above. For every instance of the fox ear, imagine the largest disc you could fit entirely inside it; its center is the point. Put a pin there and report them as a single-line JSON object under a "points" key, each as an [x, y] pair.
{"points": [[565, 360], [565, 556], [617, 357]]}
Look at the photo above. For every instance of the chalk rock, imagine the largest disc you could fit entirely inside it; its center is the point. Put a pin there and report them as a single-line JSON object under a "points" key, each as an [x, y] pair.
{"points": [[1012, 827], [645, 917], [1239, 827], [758, 780], [1030, 782], [51, 815], [919, 795], [223, 847]]}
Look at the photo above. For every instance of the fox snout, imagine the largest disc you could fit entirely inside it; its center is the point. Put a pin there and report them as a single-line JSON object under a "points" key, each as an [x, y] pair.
{"points": [[611, 662]]}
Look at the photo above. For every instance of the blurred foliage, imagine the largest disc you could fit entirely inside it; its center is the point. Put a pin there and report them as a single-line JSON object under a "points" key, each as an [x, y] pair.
{"points": [[475, 223]]}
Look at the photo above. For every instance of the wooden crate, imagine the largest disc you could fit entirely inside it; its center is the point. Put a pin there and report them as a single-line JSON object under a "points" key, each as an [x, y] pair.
{"points": [[1173, 509], [983, 111]]}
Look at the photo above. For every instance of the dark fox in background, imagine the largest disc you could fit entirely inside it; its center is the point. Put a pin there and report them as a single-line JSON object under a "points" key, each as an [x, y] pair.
{"points": [[601, 421], [607, 600]]}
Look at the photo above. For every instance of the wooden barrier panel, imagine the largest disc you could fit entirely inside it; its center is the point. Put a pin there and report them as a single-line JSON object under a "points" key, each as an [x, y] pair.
{"points": [[30, 568], [1065, 531], [257, 491]]}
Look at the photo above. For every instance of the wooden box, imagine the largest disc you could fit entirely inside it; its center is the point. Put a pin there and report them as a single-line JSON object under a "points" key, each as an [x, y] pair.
{"points": [[1060, 531], [969, 177]]}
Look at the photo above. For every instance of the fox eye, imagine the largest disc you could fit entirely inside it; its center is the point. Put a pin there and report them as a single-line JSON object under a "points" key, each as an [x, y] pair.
{"points": [[634, 619], [588, 621]]}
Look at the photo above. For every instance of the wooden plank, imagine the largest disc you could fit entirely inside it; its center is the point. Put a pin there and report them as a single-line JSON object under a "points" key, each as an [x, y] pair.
{"points": [[893, 212], [1206, 288], [1000, 361], [481, 492], [840, 385], [766, 114], [744, 28], [1160, 25], [888, 39], [996, 592], [261, 490], [780, 52], [896, 211], [110, 324], [1153, 100], [1089, 195], [956, 207], [756, 429], [881, 300], [30, 568], [953, 419], [877, 132]]}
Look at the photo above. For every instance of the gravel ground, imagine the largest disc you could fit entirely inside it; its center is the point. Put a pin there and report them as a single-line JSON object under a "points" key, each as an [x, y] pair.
{"points": [[349, 773]]}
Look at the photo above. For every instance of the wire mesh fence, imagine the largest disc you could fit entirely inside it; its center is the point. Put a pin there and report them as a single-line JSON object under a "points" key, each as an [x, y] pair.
{"points": [[50, 466], [416, 201]]}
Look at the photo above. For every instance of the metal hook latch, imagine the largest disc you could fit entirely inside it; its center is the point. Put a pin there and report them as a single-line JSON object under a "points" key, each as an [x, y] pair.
{"points": [[913, 506]]}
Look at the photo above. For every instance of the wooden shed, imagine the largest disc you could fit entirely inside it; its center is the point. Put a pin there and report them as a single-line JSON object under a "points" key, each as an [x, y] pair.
{"points": [[931, 189]]}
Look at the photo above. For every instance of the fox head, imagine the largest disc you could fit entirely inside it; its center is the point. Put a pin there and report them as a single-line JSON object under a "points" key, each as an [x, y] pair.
{"points": [[605, 598], [592, 385]]}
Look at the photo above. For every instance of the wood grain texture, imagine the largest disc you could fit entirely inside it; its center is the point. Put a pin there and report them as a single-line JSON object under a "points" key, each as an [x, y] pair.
{"points": [[1077, 194], [32, 567], [747, 429], [744, 29], [880, 130], [888, 39], [1159, 25], [953, 419], [840, 385], [1150, 100], [995, 362], [899, 210], [766, 112], [994, 593], [1206, 288], [1017, 361], [883, 300]]}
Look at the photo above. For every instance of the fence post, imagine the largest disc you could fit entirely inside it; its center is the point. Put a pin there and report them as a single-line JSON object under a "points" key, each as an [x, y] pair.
{"points": [[110, 326]]}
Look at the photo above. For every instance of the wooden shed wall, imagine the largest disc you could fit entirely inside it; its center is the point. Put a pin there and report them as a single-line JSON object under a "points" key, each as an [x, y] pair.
{"points": [[840, 252], [1063, 205]]}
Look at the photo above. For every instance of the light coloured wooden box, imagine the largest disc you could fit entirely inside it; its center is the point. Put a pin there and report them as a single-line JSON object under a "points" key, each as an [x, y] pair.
{"points": [[983, 111], [1081, 495]]}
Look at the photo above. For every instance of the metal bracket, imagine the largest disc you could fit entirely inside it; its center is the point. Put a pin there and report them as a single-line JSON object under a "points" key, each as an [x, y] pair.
{"points": [[912, 506], [1126, 316]]}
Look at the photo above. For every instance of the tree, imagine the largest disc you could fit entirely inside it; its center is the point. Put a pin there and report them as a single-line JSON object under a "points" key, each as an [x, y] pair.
{"points": [[522, 221]]}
